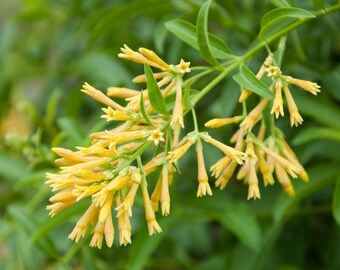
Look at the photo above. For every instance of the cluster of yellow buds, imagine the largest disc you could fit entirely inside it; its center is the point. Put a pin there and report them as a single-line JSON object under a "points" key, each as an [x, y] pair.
{"points": [[110, 171], [270, 154]]}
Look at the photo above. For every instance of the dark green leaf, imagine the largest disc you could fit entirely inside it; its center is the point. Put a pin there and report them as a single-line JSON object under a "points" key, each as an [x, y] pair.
{"points": [[155, 94], [279, 19], [202, 34], [336, 201], [187, 33], [248, 80], [316, 133], [142, 109], [324, 111], [144, 245]]}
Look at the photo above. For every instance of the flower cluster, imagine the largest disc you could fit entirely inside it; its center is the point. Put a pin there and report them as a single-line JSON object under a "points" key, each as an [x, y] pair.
{"points": [[110, 171], [270, 154]]}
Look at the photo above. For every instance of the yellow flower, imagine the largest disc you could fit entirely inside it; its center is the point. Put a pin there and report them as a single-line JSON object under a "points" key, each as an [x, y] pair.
{"points": [[283, 179], [122, 92], [81, 227], [165, 196], [224, 178], [295, 117], [309, 86], [175, 155], [203, 184], [156, 136], [177, 114], [114, 115], [98, 233], [128, 201], [219, 166], [278, 101], [99, 96], [273, 71], [124, 226], [254, 116], [183, 67], [219, 122], [227, 150], [153, 226]]}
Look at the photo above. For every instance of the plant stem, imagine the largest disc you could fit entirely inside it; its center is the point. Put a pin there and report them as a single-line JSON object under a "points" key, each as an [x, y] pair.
{"points": [[238, 61]]}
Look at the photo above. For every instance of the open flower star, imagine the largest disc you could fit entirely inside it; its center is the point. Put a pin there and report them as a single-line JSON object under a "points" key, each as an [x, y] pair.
{"points": [[156, 136]]}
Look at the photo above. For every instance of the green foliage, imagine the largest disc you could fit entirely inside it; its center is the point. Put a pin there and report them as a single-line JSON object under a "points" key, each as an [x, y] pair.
{"points": [[49, 48]]}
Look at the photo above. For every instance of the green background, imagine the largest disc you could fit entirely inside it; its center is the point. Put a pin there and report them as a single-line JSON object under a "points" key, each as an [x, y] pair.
{"points": [[49, 48]]}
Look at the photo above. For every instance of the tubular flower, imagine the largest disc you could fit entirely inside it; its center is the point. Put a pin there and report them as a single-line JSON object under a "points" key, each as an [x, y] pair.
{"points": [[143, 136]]}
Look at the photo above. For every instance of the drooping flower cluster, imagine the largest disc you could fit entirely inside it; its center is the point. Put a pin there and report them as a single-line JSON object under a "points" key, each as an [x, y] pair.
{"points": [[110, 171], [267, 155]]}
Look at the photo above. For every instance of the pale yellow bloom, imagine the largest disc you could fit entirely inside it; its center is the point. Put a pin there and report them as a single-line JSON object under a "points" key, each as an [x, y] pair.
{"points": [[224, 178], [175, 155], [81, 227], [153, 226], [183, 67], [106, 208], [309, 86], [177, 114], [278, 101], [109, 230], [253, 190], [142, 78], [243, 172], [219, 122], [98, 233], [82, 192], [273, 71], [156, 194], [156, 136], [265, 169], [124, 226], [219, 166], [121, 92], [128, 201], [99, 96], [115, 115], [255, 115], [203, 181], [165, 196], [295, 117], [154, 58], [283, 179], [284, 163], [227, 150]]}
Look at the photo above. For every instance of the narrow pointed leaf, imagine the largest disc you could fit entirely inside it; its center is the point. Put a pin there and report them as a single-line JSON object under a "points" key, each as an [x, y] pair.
{"points": [[248, 80], [279, 18], [155, 94], [142, 109], [316, 133], [202, 35], [187, 33]]}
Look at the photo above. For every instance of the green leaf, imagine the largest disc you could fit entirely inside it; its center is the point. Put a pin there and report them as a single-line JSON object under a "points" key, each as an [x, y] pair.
{"points": [[187, 33], [202, 34], [248, 80], [280, 3], [336, 201], [316, 133], [72, 130], [155, 94], [144, 245], [279, 18], [320, 176], [324, 111], [142, 109], [52, 107], [242, 222], [51, 223]]}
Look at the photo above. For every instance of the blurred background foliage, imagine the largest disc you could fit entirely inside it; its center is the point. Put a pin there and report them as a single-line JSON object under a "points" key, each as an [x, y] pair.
{"points": [[48, 48]]}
